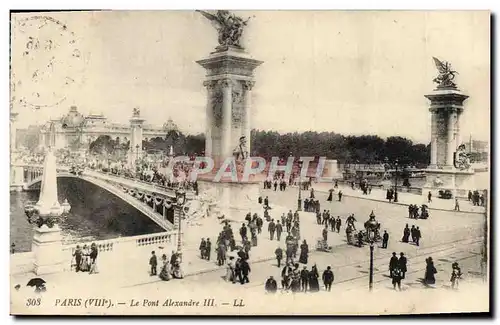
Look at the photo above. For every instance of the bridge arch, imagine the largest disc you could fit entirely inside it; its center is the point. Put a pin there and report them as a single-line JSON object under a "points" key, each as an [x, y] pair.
{"points": [[116, 191]]}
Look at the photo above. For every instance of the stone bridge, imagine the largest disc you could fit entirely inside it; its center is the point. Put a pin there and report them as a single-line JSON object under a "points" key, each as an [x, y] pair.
{"points": [[154, 201]]}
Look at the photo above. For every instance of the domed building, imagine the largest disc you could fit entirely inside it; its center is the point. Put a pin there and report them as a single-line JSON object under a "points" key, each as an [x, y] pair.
{"points": [[75, 131], [73, 119]]}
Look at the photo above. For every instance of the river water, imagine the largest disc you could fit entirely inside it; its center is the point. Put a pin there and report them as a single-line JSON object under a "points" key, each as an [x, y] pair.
{"points": [[95, 215]]}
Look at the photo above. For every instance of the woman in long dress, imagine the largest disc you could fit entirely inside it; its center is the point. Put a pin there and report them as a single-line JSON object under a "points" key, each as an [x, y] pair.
{"points": [[84, 264], [230, 270], [330, 196], [304, 253], [406, 234], [165, 269], [313, 279], [430, 270]]}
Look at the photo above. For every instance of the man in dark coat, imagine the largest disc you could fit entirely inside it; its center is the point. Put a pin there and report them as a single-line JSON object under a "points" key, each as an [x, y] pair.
{"points": [[279, 255], [208, 251], [328, 278], [417, 237], [286, 274], [325, 234], [266, 202], [318, 218], [271, 228], [304, 278], [338, 223], [271, 285], [402, 264], [279, 230], [243, 232], [78, 257], [237, 266], [245, 271], [413, 233], [332, 223], [259, 222], [173, 258], [153, 262], [221, 254], [203, 246], [340, 196], [396, 275], [306, 205], [385, 239], [393, 263]]}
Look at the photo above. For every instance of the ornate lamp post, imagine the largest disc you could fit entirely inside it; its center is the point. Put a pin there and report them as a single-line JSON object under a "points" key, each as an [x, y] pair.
{"points": [[299, 200], [371, 228], [180, 195]]}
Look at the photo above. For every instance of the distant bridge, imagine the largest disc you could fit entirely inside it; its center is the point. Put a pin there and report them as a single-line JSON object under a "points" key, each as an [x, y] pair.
{"points": [[154, 201]]}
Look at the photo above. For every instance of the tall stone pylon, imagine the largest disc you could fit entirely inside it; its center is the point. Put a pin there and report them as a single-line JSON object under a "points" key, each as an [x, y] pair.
{"points": [[229, 80], [448, 168], [47, 241], [16, 172], [48, 203]]}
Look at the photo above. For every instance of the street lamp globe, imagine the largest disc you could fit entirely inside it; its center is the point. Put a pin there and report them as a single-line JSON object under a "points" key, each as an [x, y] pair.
{"points": [[372, 226], [180, 195]]}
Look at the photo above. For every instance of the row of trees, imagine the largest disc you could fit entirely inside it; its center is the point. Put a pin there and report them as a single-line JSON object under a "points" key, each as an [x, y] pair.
{"points": [[365, 149]]}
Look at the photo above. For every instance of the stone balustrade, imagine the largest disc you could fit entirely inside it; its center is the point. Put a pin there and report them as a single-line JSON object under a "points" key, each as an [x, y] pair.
{"points": [[23, 262]]}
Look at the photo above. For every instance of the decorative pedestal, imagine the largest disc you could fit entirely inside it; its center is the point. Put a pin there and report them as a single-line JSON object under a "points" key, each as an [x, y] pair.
{"points": [[332, 170], [457, 181], [235, 200], [47, 248], [16, 178]]}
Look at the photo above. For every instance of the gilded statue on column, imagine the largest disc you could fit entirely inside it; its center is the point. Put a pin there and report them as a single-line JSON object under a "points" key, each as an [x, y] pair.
{"points": [[229, 26], [446, 74]]}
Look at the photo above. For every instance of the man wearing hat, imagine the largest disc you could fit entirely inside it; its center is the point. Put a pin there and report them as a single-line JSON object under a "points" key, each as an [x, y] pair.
{"points": [[402, 264], [304, 278], [271, 285], [393, 263]]}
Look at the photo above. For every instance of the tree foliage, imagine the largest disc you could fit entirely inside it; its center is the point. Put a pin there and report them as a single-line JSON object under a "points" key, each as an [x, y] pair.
{"points": [[105, 145], [364, 149]]}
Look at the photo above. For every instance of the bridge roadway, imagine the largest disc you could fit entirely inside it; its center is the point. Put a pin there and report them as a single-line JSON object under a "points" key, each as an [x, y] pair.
{"points": [[115, 184], [127, 182]]}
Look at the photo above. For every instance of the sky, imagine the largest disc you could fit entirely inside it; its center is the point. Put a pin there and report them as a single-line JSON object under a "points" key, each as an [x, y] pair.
{"points": [[350, 72]]}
